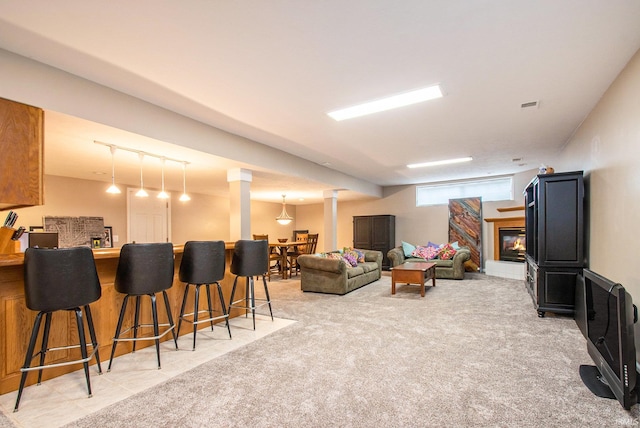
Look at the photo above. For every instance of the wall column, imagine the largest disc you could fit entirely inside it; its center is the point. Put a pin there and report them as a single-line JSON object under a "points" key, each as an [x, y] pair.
{"points": [[240, 203], [330, 220]]}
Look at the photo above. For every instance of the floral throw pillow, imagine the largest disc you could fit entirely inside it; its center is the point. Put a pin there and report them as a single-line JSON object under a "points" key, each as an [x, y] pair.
{"points": [[446, 252], [350, 258], [338, 256], [426, 253]]}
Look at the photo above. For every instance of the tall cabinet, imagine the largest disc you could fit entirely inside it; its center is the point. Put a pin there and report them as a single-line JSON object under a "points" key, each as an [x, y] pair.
{"points": [[375, 232], [554, 227]]}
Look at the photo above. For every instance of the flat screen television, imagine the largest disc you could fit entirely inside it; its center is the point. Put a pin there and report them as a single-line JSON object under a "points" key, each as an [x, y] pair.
{"points": [[606, 316]]}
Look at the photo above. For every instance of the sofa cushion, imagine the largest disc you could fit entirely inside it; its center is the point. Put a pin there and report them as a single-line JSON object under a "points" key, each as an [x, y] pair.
{"points": [[368, 266], [354, 271]]}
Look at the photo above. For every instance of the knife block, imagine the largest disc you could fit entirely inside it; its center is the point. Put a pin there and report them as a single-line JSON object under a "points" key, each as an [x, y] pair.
{"points": [[7, 246]]}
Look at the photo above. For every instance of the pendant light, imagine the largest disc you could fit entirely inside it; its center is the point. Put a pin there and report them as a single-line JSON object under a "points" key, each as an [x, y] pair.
{"points": [[163, 194], [113, 188], [141, 193], [284, 218], [184, 197]]}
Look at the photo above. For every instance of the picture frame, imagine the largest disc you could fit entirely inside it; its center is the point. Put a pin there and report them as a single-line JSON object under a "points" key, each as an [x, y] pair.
{"points": [[107, 237]]}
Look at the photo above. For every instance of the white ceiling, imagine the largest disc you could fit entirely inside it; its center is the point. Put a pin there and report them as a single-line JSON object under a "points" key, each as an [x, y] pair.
{"points": [[270, 70]]}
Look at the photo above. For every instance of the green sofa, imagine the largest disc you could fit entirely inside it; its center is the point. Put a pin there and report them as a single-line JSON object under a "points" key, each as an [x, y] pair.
{"points": [[323, 275], [445, 269]]}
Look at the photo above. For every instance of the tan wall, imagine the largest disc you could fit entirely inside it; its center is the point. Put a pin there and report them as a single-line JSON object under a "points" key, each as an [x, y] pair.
{"points": [[607, 148], [204, 217]]}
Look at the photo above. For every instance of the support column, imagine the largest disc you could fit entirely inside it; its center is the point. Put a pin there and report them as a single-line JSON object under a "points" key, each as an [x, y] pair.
{"points": [[330, 219], [240, 203]]}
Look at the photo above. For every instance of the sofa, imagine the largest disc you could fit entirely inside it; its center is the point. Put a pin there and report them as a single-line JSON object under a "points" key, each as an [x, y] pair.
{"points": [[326, 275], [445, 269]]}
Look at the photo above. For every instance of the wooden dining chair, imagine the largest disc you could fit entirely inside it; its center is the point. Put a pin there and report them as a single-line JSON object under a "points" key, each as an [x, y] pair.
{"points": [[309, 247], [274, 256]]}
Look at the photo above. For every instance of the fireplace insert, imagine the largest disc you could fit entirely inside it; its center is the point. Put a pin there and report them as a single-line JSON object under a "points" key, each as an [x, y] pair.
{"points": [[512, 243]]}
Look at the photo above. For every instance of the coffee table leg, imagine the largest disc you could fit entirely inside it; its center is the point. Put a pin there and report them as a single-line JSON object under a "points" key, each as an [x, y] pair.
{"points": [[433, 276], [422, 286], [393, 285]]}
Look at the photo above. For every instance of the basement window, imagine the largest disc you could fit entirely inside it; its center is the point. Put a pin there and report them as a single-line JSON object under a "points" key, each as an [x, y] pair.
{"points": [[490, 189]]}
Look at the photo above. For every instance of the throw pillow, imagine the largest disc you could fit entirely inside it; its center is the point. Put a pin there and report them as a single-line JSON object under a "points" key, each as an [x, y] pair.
{"points": [[350, 258], [408, 249], [426, 253], [455, 245], [431, 244], [357, 254], [446, 252]]}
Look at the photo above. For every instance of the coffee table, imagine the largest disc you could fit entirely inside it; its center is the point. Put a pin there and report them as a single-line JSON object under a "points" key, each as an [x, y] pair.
{"points": [[413, 273]]}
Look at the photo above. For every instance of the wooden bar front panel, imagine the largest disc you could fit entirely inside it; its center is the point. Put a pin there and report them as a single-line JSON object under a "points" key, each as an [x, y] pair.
{"points": [[17, 319]]}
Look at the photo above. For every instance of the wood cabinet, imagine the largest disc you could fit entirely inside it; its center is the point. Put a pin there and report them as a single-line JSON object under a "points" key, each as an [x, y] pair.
{"points": [[21, 155], [375, 232], [554, 225]]}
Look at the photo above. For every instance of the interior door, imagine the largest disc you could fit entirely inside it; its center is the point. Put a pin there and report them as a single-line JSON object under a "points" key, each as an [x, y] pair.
{"points": [[148, 218], [465, 226]]}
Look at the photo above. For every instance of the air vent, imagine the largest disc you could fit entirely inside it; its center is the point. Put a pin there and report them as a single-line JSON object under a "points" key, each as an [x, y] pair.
{"points": [[529, 104]]}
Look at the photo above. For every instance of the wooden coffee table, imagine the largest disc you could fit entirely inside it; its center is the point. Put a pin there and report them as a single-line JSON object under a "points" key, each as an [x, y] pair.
{"points": [[413, 273]]}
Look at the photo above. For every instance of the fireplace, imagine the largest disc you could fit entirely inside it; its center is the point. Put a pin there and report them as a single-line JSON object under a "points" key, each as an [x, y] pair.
{"points": [[512, 243]]}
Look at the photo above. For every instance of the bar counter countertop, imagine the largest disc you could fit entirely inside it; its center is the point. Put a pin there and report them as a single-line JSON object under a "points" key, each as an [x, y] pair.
{"points": [[17, 319]]}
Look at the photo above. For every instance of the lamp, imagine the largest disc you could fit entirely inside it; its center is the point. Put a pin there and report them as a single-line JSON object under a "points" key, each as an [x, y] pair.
{"points": [[184, 197], [284, 218], [163, 194], [141, 193], [113, 188]]}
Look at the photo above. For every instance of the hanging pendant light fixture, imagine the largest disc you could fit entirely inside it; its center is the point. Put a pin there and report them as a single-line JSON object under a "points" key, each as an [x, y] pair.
{"points": [[141, 193], [284, 218], [163, 194], [113, 188], [184, 197]]}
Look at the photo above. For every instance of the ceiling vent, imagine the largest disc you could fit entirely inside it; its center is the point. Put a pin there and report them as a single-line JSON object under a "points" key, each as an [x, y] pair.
{"points": [[529, 104]]}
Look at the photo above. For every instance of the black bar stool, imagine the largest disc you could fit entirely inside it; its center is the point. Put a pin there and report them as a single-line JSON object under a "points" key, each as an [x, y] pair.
{"points": [[250, 258], [202, 263], [144, 269], [60, 280]]}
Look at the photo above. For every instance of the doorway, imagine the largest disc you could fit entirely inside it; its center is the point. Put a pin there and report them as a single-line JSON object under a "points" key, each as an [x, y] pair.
{"points": [[148, 218]]}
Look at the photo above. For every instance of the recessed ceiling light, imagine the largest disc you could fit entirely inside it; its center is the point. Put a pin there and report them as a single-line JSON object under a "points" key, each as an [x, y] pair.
{"points": [[388, 103], [440, 162]]}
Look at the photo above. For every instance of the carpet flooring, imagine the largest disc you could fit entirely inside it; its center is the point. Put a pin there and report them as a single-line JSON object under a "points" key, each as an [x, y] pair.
{"points": [[471, 353]]}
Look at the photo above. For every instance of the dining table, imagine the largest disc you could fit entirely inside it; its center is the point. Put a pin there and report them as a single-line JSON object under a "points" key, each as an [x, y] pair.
{"points": [[284, 247]]}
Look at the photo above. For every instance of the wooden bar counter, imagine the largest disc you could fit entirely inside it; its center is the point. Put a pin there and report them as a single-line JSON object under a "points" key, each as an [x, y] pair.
{"points": [[16, 320]]}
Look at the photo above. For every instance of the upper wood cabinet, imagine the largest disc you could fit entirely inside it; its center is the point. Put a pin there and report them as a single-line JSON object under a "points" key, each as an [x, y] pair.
{"points": [[21, 155]]}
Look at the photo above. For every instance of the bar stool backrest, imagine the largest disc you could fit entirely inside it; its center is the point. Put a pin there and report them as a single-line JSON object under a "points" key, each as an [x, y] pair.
{"points": [[145, 268], [57, 279], [250, 258], [203, 262]]}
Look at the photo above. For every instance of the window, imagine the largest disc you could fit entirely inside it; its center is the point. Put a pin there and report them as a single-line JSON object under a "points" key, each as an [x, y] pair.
{"points": [[490, 189]]}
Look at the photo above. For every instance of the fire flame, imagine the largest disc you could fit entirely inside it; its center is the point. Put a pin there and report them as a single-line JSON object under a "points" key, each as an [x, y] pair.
{"points": [[518, 245]]}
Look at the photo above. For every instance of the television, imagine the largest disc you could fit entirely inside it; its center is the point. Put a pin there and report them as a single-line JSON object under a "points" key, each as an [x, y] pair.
{"points": [[606, 315]]}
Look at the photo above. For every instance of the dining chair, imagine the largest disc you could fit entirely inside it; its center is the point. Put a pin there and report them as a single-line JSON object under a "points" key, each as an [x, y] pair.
{"points": [[274, 255], [309, 247]]}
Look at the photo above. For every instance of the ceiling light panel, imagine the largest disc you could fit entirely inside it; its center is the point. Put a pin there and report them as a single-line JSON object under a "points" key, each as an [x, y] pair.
{"points": [[440, 162], [395, 101]]}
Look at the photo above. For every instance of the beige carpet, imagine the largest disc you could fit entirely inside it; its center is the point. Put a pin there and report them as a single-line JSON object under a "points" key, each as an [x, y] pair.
{"points": [[471, 353]]}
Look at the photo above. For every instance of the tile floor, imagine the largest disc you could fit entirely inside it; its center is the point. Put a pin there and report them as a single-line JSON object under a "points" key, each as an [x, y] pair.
{"points": [[62, 400]]}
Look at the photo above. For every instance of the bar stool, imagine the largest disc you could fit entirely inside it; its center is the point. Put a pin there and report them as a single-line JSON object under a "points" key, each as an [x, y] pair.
{"points": [[60, 280], [250, 258], [202, 263], [144, 269]]}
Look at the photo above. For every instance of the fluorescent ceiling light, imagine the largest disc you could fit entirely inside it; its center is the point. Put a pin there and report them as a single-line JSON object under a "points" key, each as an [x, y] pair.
{"points": [[388, 103], [441, 162]]}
